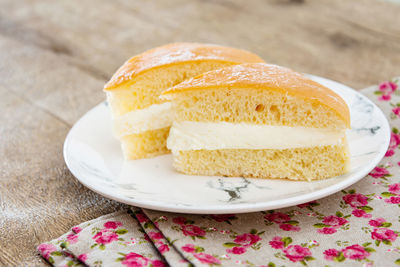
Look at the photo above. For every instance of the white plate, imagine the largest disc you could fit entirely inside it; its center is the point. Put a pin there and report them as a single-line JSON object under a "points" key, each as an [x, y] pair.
{"points": [[94, 157]]}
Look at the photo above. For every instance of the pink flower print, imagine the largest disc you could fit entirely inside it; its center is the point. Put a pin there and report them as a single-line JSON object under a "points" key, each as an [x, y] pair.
{"points": [[105, 237], [305, 205], [378, 172], [163, 248], [330, 254], [389, 152], [396, 111], [112, 225], [377, 222], [147, 238], [393, 200], [46, 249], [179, 220], [222, 217], [385, 97], [389, 87], [394, 143], [246, 240], [135, 260], [190, 248], [394, 188], [157, 263], [361, 213], [277, 217], [192, 230], [141, 217], [355, 252], [383, 234], [236, 250], [155, 235], [355, 200], [327, 231], [394, 140], [289, 227], [76, 229], [334, 221], [83, 257], [207, 258], [72, 238], [296, 253], [277, 242]]}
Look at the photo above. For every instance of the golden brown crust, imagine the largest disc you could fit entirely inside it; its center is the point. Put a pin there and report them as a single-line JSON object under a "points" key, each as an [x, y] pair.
{"points": [[177, 53], [267, 77]]}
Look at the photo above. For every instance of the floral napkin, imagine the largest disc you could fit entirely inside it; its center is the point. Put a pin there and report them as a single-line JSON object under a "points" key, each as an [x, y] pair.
{"points": [[359, 226]]}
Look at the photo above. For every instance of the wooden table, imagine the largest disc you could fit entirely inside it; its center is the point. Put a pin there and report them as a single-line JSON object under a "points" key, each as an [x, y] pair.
{"points": [[55, 57]]}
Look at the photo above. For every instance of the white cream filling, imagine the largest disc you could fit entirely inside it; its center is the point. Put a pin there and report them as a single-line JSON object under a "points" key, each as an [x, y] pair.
{"points": [[188, 135], [154, 117]]}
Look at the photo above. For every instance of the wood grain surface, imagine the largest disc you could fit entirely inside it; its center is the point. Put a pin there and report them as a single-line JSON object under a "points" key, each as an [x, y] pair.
{"points": [[55, 57]]}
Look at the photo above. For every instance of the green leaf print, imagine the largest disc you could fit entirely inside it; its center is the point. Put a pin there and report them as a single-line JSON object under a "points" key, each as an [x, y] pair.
{"points": [[121, 231], [199, 249], [369, 249], [366, 208], [253, 231], [339, 214], [387, 194], [340, 258], [56, 253], [320, 225], [51, 260], [231, 245], [286, 241], [386, 224]]}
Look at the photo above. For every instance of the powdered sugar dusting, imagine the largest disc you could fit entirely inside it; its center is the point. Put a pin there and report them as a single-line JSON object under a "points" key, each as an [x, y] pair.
{"points": [[245, 73], [179, 52], [266, 76]]}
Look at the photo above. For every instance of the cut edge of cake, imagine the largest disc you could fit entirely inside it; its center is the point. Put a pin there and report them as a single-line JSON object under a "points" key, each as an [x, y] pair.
{"points": [[137, 84], [240, 94]]}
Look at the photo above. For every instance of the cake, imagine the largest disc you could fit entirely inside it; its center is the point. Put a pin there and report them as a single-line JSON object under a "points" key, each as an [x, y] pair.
{"points": [[258, 120], [141, 120]]}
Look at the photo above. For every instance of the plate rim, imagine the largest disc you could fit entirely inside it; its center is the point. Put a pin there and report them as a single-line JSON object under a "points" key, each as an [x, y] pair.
{"points": [[240, 207]]}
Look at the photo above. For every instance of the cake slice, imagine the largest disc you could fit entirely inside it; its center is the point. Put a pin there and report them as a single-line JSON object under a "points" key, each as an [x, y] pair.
{"points": [[141, 120], [258, 120]]}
